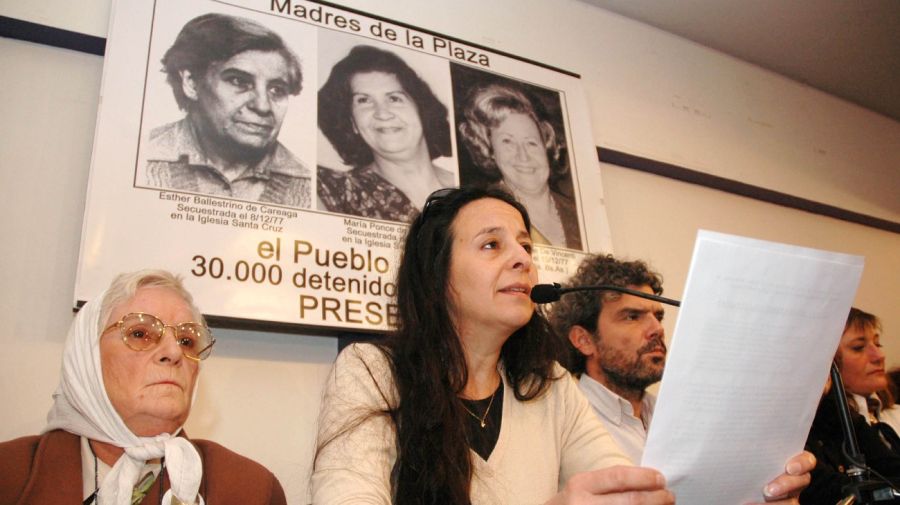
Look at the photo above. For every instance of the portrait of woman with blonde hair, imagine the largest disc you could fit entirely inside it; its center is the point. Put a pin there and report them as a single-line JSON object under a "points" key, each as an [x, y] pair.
{"points": [[514, 146]]}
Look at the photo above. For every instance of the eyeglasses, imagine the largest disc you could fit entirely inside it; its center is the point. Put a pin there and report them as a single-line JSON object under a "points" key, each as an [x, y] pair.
{"points": [[435, 196], [142, 332]]}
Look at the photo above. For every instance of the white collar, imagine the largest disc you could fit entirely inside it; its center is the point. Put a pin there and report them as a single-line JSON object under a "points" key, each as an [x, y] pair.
{"points": [[610, 404]]}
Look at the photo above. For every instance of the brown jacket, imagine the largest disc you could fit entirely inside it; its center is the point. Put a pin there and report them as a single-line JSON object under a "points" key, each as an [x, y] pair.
{"points": [[46, 469]]}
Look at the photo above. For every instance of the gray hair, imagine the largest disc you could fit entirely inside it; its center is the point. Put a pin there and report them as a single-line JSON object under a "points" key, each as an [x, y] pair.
{"points": [[125, 285], [217, 37]]}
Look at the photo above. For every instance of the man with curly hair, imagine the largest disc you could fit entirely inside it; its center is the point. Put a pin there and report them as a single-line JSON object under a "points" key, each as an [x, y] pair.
{"points": [[617, 345]]}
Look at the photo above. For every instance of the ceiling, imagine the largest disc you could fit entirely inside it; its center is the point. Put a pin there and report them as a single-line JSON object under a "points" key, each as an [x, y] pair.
{"points": [[848, 48]]}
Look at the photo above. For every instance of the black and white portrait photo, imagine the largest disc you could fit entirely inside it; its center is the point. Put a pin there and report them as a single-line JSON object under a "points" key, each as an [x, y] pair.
{"points": [[384, 116], [234, 81], [278, 141], [511, 136]]}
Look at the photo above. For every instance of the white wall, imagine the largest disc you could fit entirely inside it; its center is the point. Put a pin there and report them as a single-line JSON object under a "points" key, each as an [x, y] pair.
{"points": [[651, 94], [258, 395]]}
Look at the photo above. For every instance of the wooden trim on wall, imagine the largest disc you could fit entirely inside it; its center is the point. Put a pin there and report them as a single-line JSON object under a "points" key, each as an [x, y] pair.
{"points": [[42, 34], [741, 189], [56, 37]]}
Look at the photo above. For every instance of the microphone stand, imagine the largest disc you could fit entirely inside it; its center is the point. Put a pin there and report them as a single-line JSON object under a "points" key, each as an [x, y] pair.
{"points": [[555, 290], [860, 491]]}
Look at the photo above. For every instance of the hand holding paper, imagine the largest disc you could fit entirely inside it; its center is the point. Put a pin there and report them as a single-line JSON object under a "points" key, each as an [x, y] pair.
{"points": [[757, 330]]}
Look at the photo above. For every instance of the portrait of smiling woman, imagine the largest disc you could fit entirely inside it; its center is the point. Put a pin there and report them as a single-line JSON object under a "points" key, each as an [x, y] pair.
{"points": [[513, 141], [114, 433], [386, 123]]}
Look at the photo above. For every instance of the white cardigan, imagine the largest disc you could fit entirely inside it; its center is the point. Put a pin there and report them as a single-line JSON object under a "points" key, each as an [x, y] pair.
{"points": [[542, 442]]}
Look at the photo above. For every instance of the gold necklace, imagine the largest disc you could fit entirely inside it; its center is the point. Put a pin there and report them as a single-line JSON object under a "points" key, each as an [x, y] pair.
{"points": [[483, 418]]}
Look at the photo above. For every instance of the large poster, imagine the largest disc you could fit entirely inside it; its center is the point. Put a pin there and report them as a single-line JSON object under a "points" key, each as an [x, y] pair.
{"points": [[272, 152]]}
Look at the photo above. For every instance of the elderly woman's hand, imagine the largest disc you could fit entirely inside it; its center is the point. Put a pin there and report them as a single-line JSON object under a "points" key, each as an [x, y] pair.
{"points": [[618, 484], [787, 487]]}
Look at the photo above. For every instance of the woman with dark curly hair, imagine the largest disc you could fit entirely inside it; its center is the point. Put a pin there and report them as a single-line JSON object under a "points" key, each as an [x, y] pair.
{"points": [[465, 402], [513, 146], [385, 122]]}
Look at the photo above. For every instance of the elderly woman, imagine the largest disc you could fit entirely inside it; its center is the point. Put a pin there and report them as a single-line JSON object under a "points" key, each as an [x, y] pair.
{"points": [[861, 363], [515, 147], [384, 121], [233, 78], [465, 402], [114, 434]]}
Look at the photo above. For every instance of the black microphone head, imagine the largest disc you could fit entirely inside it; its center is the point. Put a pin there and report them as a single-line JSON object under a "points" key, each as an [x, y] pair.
{"points": [[545, 293]]}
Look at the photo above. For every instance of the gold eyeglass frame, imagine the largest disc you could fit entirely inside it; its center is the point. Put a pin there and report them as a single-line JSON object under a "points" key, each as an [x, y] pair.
{"points": [[120, 324]]}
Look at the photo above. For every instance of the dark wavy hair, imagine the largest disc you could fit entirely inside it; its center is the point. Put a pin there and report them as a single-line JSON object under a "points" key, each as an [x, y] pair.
{"points": [[582, 308], [429, 367], [335, 105], [212, 38], [487, 106]]}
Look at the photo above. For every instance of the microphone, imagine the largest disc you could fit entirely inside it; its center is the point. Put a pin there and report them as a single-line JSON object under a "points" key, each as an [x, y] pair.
{"points": [[545, 293], [860, 490], [548, 293]]}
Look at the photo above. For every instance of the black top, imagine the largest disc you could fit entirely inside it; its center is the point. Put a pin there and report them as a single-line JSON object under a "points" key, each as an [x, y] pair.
{"points": [[878, 443], [483, 440]]}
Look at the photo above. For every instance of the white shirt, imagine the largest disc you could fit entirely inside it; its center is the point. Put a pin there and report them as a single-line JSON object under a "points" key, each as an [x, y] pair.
{"points": [[629, 432], [891, 416], [862, 405], [542, 442]]}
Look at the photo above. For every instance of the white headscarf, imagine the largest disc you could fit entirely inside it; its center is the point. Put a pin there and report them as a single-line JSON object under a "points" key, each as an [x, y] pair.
{"points": [[81, 406]]}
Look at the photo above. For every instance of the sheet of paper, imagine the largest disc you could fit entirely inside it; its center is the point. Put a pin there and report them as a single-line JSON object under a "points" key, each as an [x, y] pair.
{"points": [[757, 330]]}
